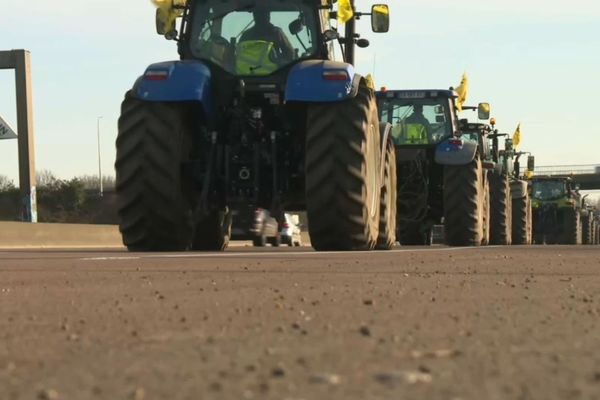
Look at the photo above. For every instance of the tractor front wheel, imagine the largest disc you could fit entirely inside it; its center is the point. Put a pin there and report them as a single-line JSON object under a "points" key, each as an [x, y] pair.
{"points": [[521, 220], [213, 231], [387, 207], [501, 210], [466, 205]]}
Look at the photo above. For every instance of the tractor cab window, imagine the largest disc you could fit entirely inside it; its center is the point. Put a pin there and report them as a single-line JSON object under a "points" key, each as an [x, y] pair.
{"points": [[549, 190], [253, 38], [417, 122]]}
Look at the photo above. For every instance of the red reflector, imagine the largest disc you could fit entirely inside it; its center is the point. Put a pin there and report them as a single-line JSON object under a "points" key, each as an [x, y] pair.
{"points": [[335, 76], [156, 75], [455, 142], [286, 225]]}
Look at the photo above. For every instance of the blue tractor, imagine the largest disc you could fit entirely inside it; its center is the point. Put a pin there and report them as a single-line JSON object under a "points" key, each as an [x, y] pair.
{"points": [[256, 114], [442, 163]]}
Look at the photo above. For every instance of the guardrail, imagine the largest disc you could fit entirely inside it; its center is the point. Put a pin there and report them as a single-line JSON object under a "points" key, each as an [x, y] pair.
{"points": [[567, 169]]}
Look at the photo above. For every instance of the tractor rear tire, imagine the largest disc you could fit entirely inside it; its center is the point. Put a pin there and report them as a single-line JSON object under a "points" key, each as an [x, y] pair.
{"points": [[572, 227], [465, 219], [586, 230], [501, 210], [521, 221], [213, 232], [387, 207], [155, 212], [342, 173]]}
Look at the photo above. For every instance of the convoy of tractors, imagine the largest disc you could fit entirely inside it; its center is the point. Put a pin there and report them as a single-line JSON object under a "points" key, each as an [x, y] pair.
{"points": [[257, 119]]}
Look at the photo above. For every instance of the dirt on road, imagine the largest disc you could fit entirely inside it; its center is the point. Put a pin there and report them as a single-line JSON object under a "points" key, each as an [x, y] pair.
{"points": [[489, 323]]}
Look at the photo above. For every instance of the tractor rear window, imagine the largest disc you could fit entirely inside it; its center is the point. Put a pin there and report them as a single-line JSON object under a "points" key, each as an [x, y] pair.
{"points": [[416, 122], [549, 190], [246, 38]]}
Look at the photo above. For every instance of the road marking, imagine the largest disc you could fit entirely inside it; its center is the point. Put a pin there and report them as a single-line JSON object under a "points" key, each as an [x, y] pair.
{"points": [[306, 254]]}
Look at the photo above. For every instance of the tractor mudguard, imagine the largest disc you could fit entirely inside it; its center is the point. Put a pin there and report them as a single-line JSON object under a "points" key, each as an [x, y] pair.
{"points": [[321, 81], [176, 81], [518, 189], [455, 151]]}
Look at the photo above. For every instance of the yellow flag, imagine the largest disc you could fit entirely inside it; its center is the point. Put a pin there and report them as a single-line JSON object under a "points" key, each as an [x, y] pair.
{"points": [[517, 136], [167, 13], [345, 11], [370, 81], [462, 90]]}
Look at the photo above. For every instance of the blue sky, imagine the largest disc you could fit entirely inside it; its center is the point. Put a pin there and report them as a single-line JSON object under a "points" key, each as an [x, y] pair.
{"points": [[535, 61]]}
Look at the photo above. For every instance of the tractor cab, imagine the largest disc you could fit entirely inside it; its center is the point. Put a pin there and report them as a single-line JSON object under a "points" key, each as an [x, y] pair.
{"points": [[251, 38], [548, 189], [418, 117]]}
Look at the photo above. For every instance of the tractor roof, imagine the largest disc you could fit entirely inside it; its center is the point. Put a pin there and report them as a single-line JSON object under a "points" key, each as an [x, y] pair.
{"points": [[416, 94], [467, 126]]}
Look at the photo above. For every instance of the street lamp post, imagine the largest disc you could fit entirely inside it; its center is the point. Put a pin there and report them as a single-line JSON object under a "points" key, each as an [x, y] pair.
{"points": [[99, 159]]}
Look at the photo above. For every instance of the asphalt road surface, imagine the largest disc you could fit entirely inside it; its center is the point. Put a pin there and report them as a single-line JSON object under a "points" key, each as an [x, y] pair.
{"points": [[489, 323]]}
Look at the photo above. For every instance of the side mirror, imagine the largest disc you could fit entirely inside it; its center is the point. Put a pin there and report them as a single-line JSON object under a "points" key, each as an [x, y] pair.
{"points": [[296, 26], [380, 18], [483, 111], [165, 21], [439, 110], [440, 119], [531, 163]]}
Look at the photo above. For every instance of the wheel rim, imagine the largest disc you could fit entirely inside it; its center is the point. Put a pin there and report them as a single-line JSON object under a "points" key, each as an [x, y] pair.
{"points": [[372, 172]]}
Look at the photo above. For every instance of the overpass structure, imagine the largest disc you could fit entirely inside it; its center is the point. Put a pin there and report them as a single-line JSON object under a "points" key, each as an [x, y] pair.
{"points": [[586, 175]]}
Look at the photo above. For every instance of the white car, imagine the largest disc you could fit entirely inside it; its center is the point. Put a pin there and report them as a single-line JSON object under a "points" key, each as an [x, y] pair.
{"points": [[290, 231]]}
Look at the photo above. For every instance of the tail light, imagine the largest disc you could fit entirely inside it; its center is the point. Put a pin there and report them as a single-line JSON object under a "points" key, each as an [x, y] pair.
{"points": [[336, 75], [156, 75]]}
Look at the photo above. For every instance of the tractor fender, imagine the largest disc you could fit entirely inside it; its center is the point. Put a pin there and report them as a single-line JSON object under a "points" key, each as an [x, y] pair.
{"points": [[455, 151], [307, 82], [175, 81], [385, 131], [518, 189]]}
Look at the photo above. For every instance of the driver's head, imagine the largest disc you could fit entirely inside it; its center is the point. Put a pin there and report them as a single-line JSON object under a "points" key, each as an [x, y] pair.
{"points": [[418, 109], [262, 16]]}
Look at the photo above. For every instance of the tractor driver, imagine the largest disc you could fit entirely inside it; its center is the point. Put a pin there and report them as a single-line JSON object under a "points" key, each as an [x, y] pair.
{"points": [[418, 127], [278, 48], [417, 117]]}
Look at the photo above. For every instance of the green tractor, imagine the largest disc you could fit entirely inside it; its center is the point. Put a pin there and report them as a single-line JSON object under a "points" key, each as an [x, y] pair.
{"points": [[557, 212], [511, 213], [442, 164]]}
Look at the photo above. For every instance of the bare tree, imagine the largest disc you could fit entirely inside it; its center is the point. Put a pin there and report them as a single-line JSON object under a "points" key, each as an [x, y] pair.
{"points": [[91, 182], [46, 177], [6, 183]]}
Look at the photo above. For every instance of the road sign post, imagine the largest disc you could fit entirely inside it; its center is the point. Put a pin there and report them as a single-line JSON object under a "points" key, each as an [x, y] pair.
{"points": [[19, 60]]}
